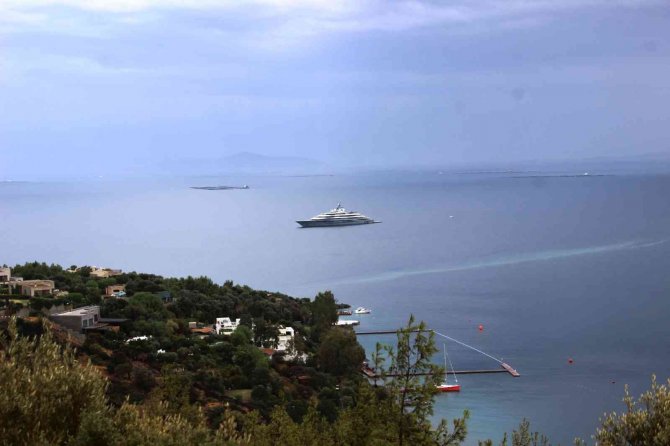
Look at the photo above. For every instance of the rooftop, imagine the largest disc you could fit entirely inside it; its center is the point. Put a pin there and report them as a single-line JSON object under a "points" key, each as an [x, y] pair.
{"points": [[37, 283], [82, 311]]}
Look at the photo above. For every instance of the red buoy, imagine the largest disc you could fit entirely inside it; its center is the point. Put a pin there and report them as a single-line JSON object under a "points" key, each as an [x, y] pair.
{"points": [[481, 327], [570, 361]]}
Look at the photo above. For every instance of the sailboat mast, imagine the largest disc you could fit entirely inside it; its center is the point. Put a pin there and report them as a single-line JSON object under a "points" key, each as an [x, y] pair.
{"points": [[446, 372]]}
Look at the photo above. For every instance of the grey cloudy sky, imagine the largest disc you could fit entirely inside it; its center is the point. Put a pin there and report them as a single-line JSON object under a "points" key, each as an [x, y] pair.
{"points": [[89, 84]]}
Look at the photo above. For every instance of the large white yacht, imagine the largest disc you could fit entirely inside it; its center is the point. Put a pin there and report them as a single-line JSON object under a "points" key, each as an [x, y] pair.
{"points": [[336, 217]]}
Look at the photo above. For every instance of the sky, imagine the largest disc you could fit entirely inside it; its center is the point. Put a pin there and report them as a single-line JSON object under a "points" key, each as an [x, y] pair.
{"points": [[98, 86]]}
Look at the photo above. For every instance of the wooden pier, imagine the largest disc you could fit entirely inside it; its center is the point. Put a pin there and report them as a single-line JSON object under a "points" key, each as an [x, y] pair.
{"points": [[505, 368], [510, 370], [370, 373], [363, 333]]}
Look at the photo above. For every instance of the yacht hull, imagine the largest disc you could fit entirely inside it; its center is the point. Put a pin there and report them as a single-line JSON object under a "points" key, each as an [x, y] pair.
{"points": [[323, 224], [449, 388]]}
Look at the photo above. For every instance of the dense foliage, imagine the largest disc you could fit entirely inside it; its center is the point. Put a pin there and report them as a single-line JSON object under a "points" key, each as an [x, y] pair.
{"points": [[645, 421], [45, 393], [414, 387], [214, 370], [181, 386], [45, 382]]}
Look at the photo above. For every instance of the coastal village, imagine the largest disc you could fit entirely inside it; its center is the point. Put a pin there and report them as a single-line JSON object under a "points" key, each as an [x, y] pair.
{"points": [[215, 348], [87, 319], [223, 359], [232, 346]]}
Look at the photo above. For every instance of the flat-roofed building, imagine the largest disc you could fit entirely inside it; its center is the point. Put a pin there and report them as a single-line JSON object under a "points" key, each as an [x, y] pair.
{"points": [[285, 338], [34, 288], [104, 273], [78, 319], [226, 326]]}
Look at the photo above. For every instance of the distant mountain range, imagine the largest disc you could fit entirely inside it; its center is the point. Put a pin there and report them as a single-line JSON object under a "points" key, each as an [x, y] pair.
{"points": [[257, 162], [248, 163]]}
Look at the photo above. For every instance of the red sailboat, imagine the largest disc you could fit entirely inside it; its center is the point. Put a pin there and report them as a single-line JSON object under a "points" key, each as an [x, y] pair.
{"points": [[445, 386]]}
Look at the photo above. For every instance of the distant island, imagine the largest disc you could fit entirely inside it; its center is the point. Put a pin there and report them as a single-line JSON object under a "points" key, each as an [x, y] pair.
{"points": [[249, 161], [219, 187], [567, 175]]}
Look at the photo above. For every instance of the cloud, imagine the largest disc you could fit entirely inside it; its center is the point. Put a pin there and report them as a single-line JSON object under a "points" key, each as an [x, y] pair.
{"points": [[301, 18], [278, 26], [66, 65], [131, 6]]}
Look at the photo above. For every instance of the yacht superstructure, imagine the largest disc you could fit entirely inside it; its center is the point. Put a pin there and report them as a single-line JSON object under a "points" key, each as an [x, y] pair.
{"points": [[337, 217]]}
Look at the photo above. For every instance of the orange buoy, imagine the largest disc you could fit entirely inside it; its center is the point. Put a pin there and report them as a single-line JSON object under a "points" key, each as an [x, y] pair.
{"points": [[481, 327]]}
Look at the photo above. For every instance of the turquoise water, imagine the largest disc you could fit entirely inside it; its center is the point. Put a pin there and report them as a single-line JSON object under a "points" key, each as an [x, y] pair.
{"points": [[553, 268]]}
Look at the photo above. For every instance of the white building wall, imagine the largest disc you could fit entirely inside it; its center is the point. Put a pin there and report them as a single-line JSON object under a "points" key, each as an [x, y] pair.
{"points": [[226, 326], [286, 335]]}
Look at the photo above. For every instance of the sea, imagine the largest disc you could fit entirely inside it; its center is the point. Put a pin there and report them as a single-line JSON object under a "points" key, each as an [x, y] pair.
{"points": [[564, 276]]}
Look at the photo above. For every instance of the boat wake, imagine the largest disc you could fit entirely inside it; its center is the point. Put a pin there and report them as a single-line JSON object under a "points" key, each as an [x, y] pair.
{"points": [[493, 262]]}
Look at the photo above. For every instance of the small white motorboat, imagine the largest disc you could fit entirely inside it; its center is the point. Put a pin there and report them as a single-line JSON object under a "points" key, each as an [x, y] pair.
{"points": [[362, 310]]}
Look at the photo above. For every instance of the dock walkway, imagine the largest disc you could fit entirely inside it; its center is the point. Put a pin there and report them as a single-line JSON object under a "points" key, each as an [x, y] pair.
{"points": [[371, 373], [510, 370], [506, 368]]}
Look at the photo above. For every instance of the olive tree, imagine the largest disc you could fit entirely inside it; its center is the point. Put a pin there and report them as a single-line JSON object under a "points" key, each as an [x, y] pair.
{"points": [[45, 390], [646, 421]]}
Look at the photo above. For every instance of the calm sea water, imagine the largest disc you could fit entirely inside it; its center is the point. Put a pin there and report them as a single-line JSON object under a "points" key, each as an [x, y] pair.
{"points": [[553, 268]]}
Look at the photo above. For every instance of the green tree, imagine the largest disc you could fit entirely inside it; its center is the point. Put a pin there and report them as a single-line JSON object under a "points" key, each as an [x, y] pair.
{"points": [[522, 437], [412, 387], [645, 421], [324, 312], [146, 306], [282, 430], [48, 398], [45, 391], [265, 334], [124, 369], [340, 353], [242, 336], [144, 379], [76, 299], [92, 291], [85, 271], [248, 358]]}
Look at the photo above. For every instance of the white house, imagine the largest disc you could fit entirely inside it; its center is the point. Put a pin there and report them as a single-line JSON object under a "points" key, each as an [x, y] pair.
{"points": [[226, 326], [285, 338]]}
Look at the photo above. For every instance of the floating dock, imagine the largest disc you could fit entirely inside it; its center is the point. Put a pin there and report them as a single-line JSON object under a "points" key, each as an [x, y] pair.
{"points": [[370, 373], [347, 322], [510, 370], [363, 333], [220, 187], [505, 368]]}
